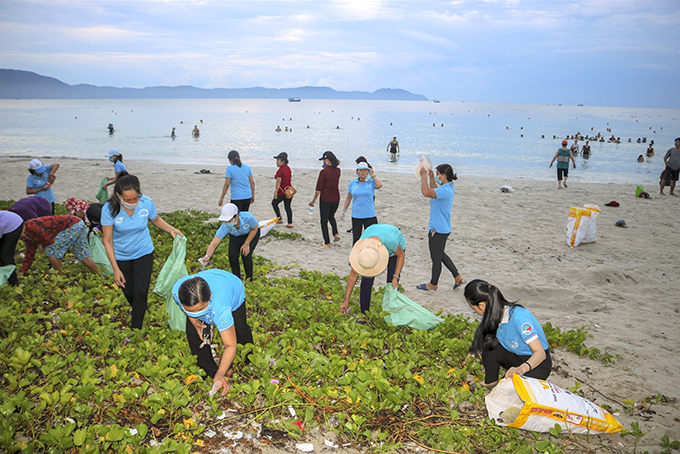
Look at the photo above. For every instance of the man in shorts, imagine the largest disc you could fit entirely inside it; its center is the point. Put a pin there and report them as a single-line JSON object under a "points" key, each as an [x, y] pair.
{"points": [[563, 156], [672, 161]]}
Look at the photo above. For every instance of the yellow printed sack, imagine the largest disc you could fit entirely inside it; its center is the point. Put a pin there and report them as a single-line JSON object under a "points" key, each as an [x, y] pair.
{"points": [[532, 404], [581, 225]]}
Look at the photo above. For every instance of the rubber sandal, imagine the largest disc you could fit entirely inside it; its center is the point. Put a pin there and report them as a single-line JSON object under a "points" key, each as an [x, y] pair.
{"points": [[336, 239], [455, 286], [289, 226], [326, 245], [424, 287]]}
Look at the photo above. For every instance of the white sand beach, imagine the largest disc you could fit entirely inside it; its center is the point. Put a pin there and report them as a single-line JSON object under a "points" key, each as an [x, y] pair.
{"points": [[623, 289]]}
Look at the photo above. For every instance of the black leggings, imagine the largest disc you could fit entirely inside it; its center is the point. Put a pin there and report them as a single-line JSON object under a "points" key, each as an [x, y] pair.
{"points": [[242, 205], [367, 284], [286, 205], [137, 275], [498, 357], [235, 243], [8, 246], [437, 243], [204, 356], [359, 225], [327, 212]]}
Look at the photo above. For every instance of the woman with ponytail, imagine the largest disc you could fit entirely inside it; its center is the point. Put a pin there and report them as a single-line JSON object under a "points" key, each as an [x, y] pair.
{"points": [[440, 192], [240, 178], [124, 219], [508, 336]]}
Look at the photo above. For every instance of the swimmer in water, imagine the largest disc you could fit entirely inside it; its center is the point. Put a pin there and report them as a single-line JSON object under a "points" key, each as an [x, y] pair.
{"points": [[195, 132], [393, 147]]}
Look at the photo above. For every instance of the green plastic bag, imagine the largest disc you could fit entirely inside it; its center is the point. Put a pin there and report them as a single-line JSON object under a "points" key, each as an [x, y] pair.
{"points": [[403, 311], [5, 272], [173, 269], [639, 190], [98, 253], [102, 194]]}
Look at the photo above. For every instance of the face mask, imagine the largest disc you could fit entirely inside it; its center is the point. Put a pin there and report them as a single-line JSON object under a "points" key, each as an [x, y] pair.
{"points": [[230, 224], [128, 206], [324, 165], [200, 313], [112, 159], [439, 180]]}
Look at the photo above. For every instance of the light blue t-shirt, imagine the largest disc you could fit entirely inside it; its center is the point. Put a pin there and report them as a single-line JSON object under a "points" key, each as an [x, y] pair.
{"points": [[440, 209], [363, 206], [131, 237], [247, 222], [119, 167], [389, 235], [38, 181], [228, 294], [517, 329], [240, 181]]}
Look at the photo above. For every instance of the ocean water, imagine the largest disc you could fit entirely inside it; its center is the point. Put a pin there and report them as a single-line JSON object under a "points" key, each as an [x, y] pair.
{"points": [[482, 139]]}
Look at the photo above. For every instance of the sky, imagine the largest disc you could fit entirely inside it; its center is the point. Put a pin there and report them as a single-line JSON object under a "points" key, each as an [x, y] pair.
{"points": [[605, 53]]}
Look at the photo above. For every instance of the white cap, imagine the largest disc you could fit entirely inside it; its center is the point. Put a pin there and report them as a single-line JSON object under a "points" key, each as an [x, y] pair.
{"points": [[228, 212], [37, 166]]}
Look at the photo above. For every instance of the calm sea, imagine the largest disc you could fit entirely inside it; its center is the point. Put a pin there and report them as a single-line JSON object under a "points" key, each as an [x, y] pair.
{"points": [[477, 139]]}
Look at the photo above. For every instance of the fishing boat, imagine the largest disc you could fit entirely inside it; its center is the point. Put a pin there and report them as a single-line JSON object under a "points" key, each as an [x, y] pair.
{"points": [[436, 101], [293, 99]]}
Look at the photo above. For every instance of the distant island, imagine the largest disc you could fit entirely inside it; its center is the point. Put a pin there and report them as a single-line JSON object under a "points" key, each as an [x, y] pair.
{"points": [[17, 84]]}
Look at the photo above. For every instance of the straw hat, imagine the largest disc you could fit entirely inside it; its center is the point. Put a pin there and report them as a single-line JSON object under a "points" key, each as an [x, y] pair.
{"points": [[369, 257]]}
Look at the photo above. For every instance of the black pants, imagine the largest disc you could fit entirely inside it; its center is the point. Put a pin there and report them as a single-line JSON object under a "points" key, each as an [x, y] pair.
{"points": [[358, 226], [327, 212], [8, 246], [137, 275], [437, 244], [286, 205], [498, 357], [235, 243], [242, 205], [367, 285], [204, 356]]}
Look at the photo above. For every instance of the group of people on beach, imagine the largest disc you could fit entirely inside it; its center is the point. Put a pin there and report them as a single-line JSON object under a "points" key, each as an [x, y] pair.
{"points": [[508, 336]]}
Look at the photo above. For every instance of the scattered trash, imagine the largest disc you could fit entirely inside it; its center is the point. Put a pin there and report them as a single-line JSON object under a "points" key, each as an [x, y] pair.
{"points": [[204, 265], [292, 411], [214, 389], [209, 433], [153, 442], [330, 443], [133, 432], [233, 436], [306, 447], [621, 223], [507, 188], [299, 424], [613, 203]]}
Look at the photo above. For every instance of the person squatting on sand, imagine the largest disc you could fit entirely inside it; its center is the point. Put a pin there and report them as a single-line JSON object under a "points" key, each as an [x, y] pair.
{"points": [[563, 156], [283, 181], [380, 246], [672, 161], [39, 182], [214, 297], [440, 191], [117, 159], [329, 194], [508, 336], [125, 226], [240, 178], [244, 234], [361, 192]]}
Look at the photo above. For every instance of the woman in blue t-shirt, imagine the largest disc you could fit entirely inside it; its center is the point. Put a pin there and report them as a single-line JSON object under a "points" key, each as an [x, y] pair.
{"points": [[244, 234], [240, 178], [124, 220], [39, 182], [440, 191], [508, 336], [361, 192], [118, 167], [214, 297]]}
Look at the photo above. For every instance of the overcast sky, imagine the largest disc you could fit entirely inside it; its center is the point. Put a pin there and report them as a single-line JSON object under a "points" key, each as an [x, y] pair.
{"points": [[608, 53]]}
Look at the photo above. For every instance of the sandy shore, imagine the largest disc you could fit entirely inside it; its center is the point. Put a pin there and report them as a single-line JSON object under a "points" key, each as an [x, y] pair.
{"points": [[623, 288]]}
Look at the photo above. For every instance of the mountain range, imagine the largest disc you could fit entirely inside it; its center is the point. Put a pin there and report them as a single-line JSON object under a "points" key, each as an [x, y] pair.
{"points": [[17, 84]]}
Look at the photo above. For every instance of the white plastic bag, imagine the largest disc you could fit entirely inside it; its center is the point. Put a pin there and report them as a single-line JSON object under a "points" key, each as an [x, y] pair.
{"points": [[266, 226], [532, 404], [581, 225], [590, 232]]}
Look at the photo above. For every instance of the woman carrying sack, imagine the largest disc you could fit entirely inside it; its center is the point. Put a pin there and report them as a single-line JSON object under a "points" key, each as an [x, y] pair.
{"points": [[283, 190]]}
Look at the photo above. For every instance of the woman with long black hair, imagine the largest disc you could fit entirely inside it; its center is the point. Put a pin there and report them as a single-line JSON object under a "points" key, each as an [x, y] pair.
{"points": [[239, 177], [124, 219], [329, 194], [508, 336]]}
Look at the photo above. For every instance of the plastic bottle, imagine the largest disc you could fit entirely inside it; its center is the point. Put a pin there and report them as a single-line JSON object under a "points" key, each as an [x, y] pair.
{"points": [[311, 210]]}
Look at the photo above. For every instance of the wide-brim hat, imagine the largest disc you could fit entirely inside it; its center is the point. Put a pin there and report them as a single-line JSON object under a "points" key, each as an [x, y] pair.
{"points": [[369, 257], [229, 210]]}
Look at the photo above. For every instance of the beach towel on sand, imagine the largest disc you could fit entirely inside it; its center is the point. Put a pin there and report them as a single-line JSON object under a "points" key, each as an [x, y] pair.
{"points": [[173, 269], [403, 311]]}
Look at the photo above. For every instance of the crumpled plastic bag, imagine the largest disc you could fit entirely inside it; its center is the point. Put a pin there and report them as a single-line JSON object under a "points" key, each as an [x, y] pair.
{"points": [[173, 269], [403, 311], [102, 194], [98, 253], [5, 272]]}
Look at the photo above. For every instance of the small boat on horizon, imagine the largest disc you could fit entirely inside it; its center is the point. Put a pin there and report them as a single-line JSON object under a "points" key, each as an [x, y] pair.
{"points": [[293, 99], [436, 101]]}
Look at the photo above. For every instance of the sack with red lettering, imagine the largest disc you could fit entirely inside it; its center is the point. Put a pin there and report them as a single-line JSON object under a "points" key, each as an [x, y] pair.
{"points": [[532, 404]]}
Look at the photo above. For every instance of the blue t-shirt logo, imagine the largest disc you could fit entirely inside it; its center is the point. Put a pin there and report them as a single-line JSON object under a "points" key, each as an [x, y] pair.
{"points": [[527, 329], [119, 219], [143, 213]]}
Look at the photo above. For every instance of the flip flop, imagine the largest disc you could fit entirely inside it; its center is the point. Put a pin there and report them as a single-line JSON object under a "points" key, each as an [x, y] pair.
{"points": [[289, 226], [455, 286], [424, 287], [336, 239]]}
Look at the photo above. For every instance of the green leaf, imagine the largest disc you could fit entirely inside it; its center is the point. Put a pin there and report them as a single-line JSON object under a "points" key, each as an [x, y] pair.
{"points": [[542, 445], [79, 437], [142, 430], [115, 434]]}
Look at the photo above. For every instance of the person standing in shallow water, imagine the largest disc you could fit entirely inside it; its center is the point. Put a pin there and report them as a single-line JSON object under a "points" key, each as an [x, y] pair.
{"points": [[393, 147], [563, 156], [672, 161]]}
